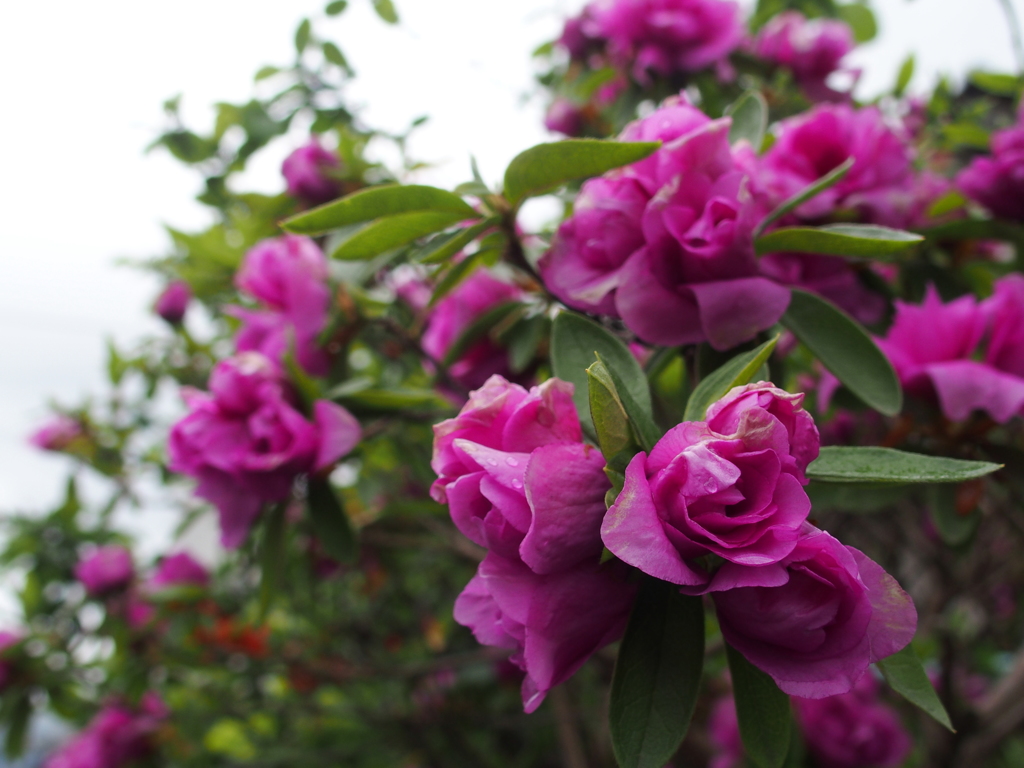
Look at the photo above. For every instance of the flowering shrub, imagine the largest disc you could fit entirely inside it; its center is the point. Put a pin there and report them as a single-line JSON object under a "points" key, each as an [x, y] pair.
{"points": [[494, 496]]}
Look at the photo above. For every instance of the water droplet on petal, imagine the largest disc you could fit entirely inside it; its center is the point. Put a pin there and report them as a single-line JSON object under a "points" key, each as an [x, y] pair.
{"points": [[512, 462]]}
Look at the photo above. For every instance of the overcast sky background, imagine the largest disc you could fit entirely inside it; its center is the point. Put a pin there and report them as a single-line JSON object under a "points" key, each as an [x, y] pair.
{"points": [[83, 85]]}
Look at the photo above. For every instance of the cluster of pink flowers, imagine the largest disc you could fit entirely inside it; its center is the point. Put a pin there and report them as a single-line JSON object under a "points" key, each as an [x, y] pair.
{"points": [[661, 36], [799, 605], [848, 730], [667, 243], [288, 276], [967, 354], [807, 610], [118, 736], [246, 441], [811, 49], [309, 173], [106, 570], [519, 480], [997, 181]]}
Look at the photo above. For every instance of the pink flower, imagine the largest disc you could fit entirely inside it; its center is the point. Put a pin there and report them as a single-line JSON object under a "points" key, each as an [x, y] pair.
{"points": [[288, 276], [879, 186], [564, 117], [173, 302], [245, 442], [57, 434], [828, 276], [117, 736], [180, 569], [307, 172], [811, 49], [578, 36], [724, 734], [936, 351], [519, 481], [731, 487], [853, 730], [997, 181], [454, 313], [667, 243], [106, 570], [667, 36], [815, 620]]}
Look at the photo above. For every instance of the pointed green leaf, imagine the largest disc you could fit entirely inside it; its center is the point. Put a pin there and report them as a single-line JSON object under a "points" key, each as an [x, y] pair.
{"points": [[735, 373], [384, 234], [862, 241], [861, 21], [749, 119], [904, 76], [611, 423], [376, 203], [330, 523], [763, 712], [861, 498], [386, 10], [805, 194], [271, 555], [454, 276], [574, 341], [336, 7], [869, 464], [904, 672], [844, 347], [302, 35], [17, 727], [657, 676], [334, 55], [545, 167], [954, 528], [443, 247]]}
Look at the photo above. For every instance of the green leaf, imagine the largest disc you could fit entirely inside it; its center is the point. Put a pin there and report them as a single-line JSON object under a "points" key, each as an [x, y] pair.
{"points": [[265, 72], [904, 76], [545, 167], [950, 201], [871, 464], [330, 523], [997, 84], [376, 203], [738, 371], [861, 21], [749, 119], [966, 134], [393, 399], [657, 676], [763, 712], [524, 340], [974, 229], [611, 423], [386, 10], [456, 273], [336, 7], [905, 674], [954, 528], [855, 497], [479, 328], [805, 194], [302, 35], [863, 241], [272, 560], [17, 726], [845, 348], [394, 231], [574, 341], [334, 55], [443, 247]]}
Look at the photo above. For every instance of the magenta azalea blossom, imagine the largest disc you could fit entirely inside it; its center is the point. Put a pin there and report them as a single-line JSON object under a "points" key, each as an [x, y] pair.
{"points": [[811, 48], [731, 486], [108, 569], [815, 620], [172, 304], [667, 243], [853, 730], [245, 442], [307, 172], [938, 351], [57, 434], [180, 569], [666, 36], [117, 736], [997, 181], [288, 277], [455, 313], [518, 480]]}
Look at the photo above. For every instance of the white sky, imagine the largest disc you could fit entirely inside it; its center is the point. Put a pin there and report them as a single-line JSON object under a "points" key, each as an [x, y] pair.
{"points": [[82, 90]]}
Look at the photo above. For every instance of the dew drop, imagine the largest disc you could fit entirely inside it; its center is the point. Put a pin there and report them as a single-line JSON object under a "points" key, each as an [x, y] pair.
{"points": [[512, 462], [493, 462], [516, 483]]}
